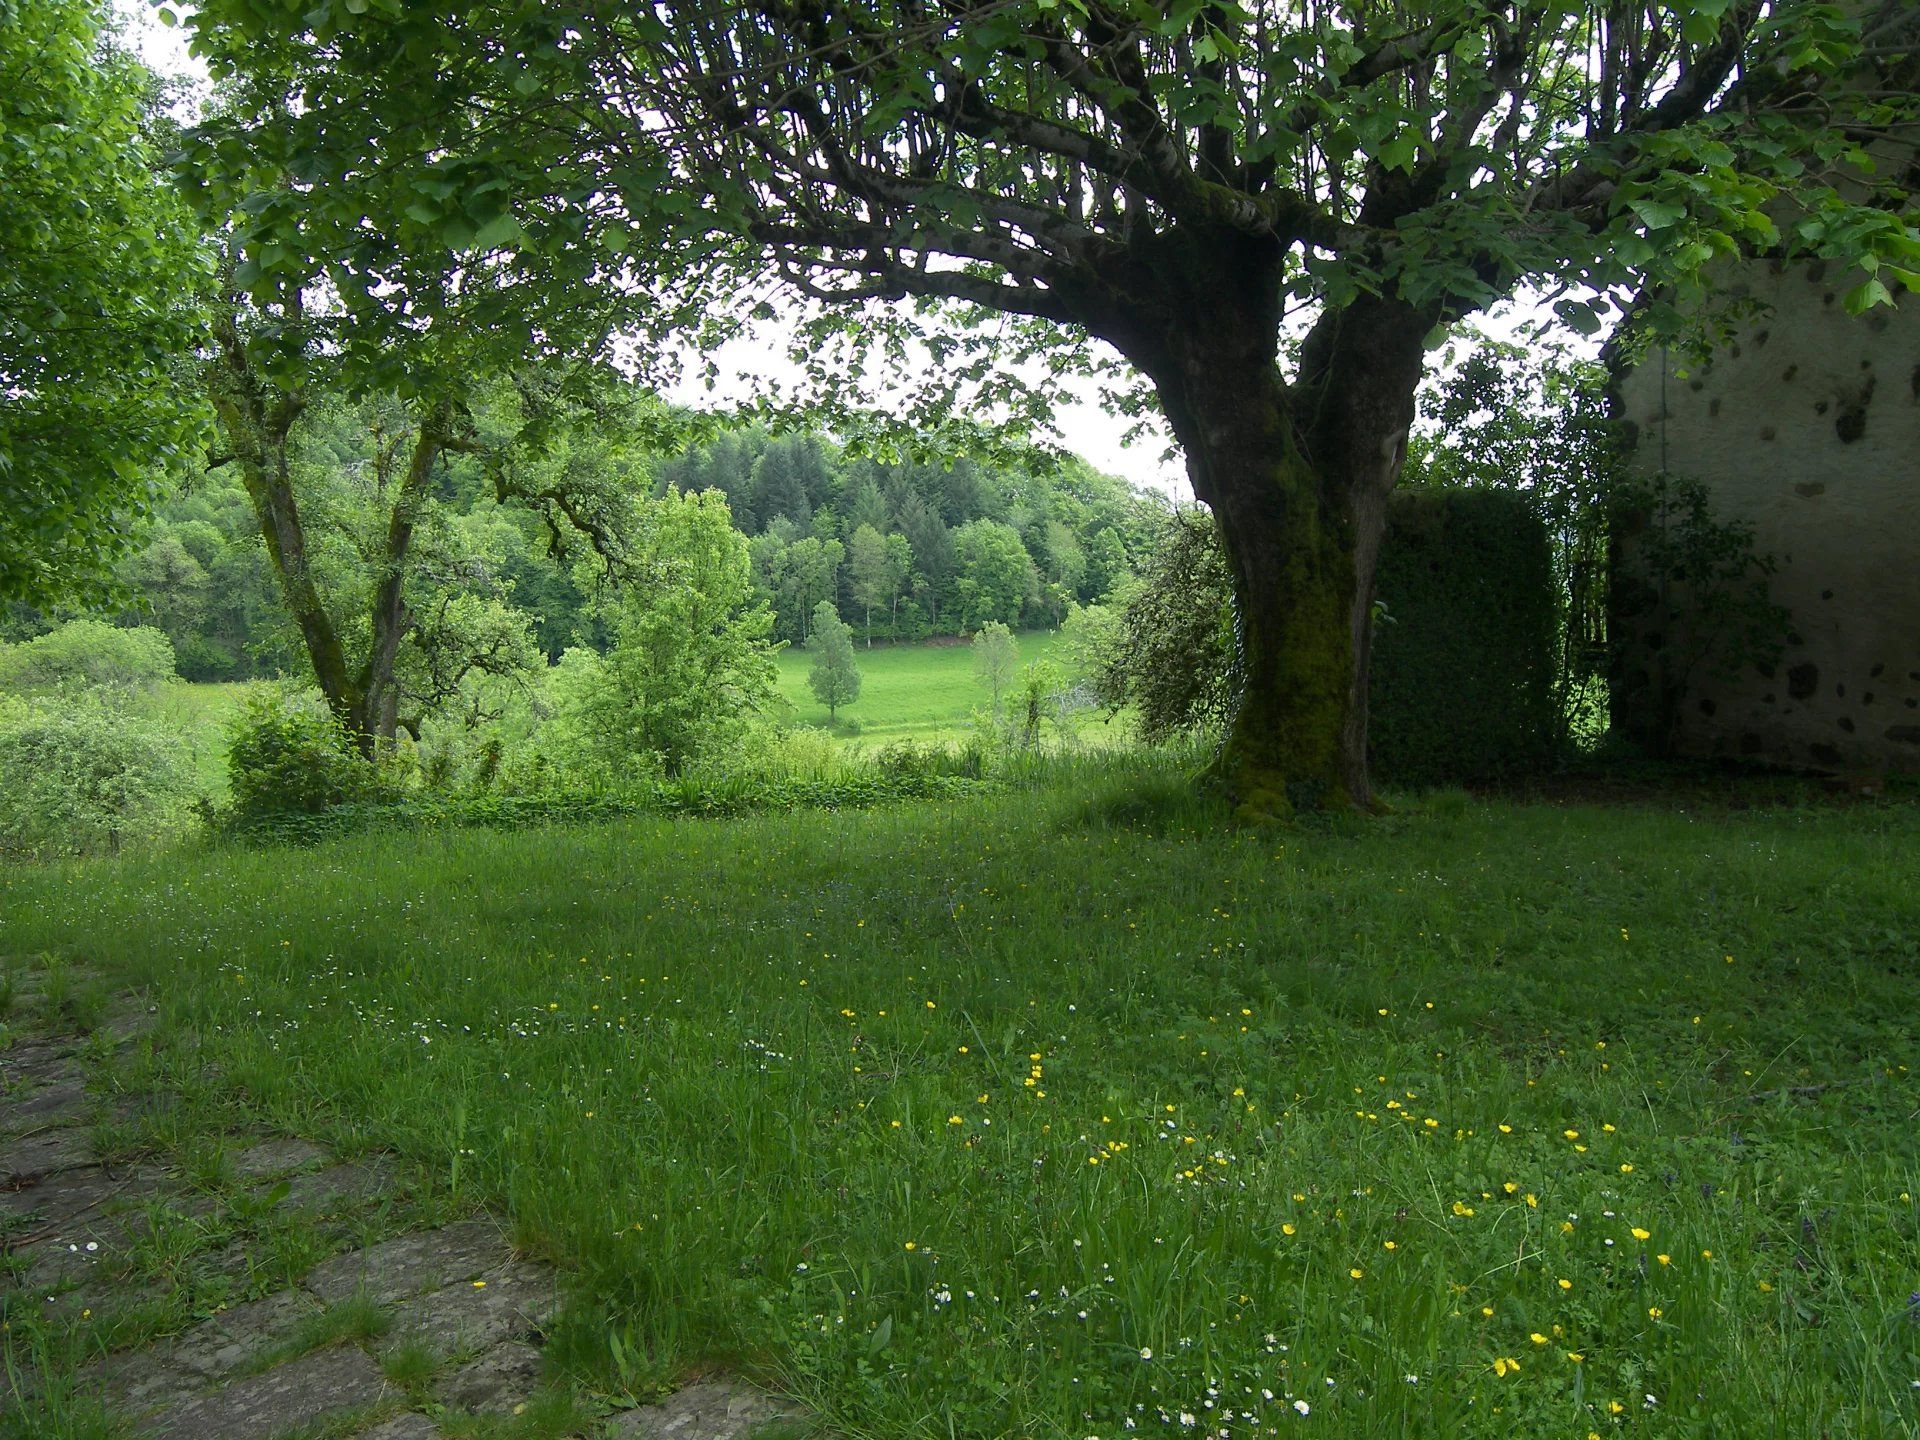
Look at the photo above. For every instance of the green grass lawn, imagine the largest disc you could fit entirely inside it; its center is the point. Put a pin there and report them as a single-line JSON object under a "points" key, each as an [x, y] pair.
{"points": [[909, 692], [1067, 1113], [200, 715]]}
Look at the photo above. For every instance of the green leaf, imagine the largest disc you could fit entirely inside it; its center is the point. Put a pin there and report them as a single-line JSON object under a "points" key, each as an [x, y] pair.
{"points": [[1658, 214], [497, 232], [1400, 152], [1864, 297]]}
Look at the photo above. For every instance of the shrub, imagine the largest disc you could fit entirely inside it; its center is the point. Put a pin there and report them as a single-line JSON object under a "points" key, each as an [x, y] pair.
{"points": [[1464, 651], [84, 777], [1170, 653], [288, 754], [88, 652], [905, 760], [798, 752]]}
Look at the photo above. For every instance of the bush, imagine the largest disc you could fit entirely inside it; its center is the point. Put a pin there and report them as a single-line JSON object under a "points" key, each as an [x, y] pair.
{"points": [[904, 760], [1170, 651], [289, 755], [88, 652], [84, 777], [1464, 651]]}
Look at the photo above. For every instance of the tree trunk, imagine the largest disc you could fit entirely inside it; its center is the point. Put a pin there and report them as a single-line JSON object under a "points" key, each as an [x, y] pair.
{"points": [[258, 420], [375, 718], [1298, 736], [1297, 478]]}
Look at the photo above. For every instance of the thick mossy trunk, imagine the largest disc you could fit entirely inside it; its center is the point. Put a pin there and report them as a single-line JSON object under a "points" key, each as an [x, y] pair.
{"points": [[1297, 476], [1298, 737]]}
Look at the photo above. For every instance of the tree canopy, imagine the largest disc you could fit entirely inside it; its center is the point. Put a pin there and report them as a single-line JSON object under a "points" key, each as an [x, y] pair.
{"points": [[99, 282], [1266, 208]]}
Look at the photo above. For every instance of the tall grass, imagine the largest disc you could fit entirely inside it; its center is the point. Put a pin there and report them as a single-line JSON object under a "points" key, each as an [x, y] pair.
{"points": [[1070, 1112]]}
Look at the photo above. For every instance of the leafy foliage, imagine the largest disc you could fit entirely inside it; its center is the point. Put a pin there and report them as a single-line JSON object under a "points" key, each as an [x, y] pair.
{"points": [[691, 665], [100, 282], [1464, 648], [88, 653], [834, 678], [998, 581], [1171, 655], [86, 777], [1036, 144], [1691, 603], [289, 754], [1534, 424], [996, 659]]}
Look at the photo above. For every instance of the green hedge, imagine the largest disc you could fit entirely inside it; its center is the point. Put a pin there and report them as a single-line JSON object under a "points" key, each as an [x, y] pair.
{"points": [[1463, 659]]}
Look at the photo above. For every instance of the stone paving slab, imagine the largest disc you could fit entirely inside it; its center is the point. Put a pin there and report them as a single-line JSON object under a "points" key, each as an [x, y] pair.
{"points": [[271, 1159], [410, 1426], [334, 1187], [233, 1337], [60, 1200], [59, 1103], [91, 1246], [36, 1060], [496, 1382], [35, 1156], [709, 1410], [511, 1302], [299, 1393], [425, 1260]]}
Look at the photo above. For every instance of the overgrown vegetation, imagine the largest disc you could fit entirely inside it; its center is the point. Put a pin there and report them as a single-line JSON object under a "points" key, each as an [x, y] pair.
{"points": [[84, 775], [1076, 1112]]}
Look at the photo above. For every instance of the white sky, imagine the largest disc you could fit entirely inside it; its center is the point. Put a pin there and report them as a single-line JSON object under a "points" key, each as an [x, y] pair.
{"points": [[1085, 427]]}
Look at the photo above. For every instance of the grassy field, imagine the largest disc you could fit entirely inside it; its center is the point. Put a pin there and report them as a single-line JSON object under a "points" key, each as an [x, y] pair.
{"points": [[200, 716], [909, 692], [1072, 1114]]}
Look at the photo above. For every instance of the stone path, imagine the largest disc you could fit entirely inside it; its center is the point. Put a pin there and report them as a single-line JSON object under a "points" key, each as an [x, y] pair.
{"points": [[250, 1286]]}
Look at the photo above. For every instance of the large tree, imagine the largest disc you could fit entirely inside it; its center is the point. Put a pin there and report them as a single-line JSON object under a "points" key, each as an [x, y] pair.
{"points": [[1266, 206]]}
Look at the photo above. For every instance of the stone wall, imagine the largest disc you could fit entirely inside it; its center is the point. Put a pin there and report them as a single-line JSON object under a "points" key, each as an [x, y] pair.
{"points": [[1807, 428]]}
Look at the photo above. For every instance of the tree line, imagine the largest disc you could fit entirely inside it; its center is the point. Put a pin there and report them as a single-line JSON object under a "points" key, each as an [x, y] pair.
{"points": [[898, 549]]}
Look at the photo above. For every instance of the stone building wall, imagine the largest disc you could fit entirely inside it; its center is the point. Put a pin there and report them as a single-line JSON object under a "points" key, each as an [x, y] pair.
{"points": [[1806, 428]]}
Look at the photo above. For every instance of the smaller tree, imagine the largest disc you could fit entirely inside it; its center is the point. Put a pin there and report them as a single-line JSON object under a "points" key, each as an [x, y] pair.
{"points": [[996, 656], [899, 575], [834, 678], [868, 559], [690, 666]]}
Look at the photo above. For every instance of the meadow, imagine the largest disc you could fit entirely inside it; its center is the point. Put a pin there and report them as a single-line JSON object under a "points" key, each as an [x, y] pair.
{"points": [[924, 693], [1074, 1112]]}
